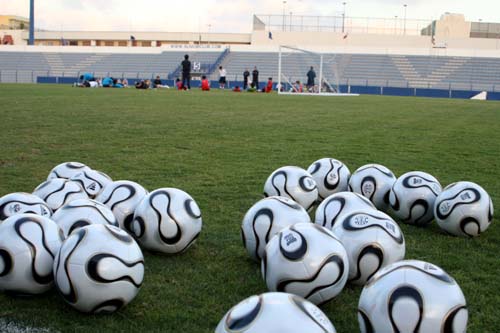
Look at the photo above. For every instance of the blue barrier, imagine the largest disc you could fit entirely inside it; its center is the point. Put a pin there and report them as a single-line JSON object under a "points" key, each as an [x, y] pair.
{"points": [[368, 90], [466, 94], [435, 93], [394, 91], [494, 96], [46, 79]]}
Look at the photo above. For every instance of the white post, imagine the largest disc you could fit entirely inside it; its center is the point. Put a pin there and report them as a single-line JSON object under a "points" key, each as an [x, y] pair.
{"points": [[279, 71], [320, 73]]}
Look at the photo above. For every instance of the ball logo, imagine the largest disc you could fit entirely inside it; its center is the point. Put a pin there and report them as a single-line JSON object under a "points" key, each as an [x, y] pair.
{"points": [[417, 181], [289, 239], [309, 183], [332, 176], [466, 196], [92, 186], [16, 208], [317, 314], [361, 220], [367, 189]]}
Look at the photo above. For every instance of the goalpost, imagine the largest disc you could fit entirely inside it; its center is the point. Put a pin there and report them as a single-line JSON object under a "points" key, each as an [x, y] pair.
{"points": [[293, 66]]}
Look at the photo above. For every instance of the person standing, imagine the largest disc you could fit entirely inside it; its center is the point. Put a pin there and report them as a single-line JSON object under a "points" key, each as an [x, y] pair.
{"points": [[255, 78], [222, 77], [186, 72], [246, 74], [311, 75]]}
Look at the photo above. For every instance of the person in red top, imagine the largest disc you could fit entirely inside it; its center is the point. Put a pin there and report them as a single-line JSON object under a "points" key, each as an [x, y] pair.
{"points": [[205, 85], [178, 84], [269, 86]]}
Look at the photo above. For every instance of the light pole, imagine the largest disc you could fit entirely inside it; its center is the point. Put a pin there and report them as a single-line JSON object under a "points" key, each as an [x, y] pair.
{"points": [[343, 17], [31, 40], [404, 22], [208, 37], [396, 25], [284, 15], [290, 21]]}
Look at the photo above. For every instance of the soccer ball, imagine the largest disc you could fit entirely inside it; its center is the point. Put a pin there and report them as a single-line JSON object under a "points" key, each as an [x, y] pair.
{"points": [[99, 268], [372, 240], [122, 197], [28, 245], [333, 208], [20, 202], [307, 260], [464, 209], [293, 183], [58, 192], [92, 181], [82, 212], [412, 296], [275, 312], [331, 176], [265, 219], [67, 170], [167, 220], [374, 181], [412, 197]]}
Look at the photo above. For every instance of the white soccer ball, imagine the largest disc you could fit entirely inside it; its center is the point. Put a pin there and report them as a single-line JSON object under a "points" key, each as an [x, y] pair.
{"points": [[307, 260], [331, 176], [167, 220], [373, 181], [372, 241], [412, 296], [28, 245], [92, 181], [122, 197], [412, 197], [82, 212], [67, 170], [265, 219], [19, 203], [58, 191], [275, 312], [464, 209], [99, 268], [338, 205], [294, 183]]}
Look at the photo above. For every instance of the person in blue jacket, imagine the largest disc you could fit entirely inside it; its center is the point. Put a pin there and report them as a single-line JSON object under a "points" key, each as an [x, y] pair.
{"points": [[107, 82]]}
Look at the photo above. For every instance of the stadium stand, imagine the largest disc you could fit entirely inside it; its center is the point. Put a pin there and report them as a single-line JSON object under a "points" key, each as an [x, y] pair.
{"points": [[377, 70]]}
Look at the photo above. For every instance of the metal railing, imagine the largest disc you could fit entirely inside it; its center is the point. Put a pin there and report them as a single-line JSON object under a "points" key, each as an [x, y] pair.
{"points": [[346, 24]]}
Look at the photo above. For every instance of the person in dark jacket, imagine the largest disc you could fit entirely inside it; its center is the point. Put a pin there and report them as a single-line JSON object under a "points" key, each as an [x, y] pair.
{"points": [[311, 75], [255, 78], [186, 72], [246, 74]]}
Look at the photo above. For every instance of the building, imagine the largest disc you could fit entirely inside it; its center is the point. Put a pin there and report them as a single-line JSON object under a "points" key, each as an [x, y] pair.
{"points": [[11, 22]]}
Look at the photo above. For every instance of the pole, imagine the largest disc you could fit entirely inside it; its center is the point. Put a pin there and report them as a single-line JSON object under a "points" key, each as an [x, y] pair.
{"points": [[31, 40], [320, 85], [404, 24], [343, 18], [279, 71], [290, 21], [284, 15]]}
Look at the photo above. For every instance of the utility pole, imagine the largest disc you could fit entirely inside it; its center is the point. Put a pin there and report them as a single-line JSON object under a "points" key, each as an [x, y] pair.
{"points": [[31, 40], [404, 22]]}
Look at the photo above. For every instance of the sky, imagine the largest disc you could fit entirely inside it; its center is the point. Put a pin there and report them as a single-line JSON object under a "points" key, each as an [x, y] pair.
{"points": [[226, 15]]}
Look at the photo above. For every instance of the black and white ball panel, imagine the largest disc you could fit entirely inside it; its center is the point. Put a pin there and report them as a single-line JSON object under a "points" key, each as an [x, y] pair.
{"points": [[67, 170], [57, 192], [23, 203]]}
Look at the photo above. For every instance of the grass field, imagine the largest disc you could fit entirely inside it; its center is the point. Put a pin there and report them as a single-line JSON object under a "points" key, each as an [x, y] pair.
{"points": [[220, 147]]}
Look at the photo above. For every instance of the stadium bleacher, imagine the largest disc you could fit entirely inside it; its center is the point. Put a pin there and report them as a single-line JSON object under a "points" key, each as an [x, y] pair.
{"points": [[405, 71]]}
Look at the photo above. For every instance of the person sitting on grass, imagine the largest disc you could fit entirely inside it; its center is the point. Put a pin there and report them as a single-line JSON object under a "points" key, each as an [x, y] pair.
{"points": [[143, 84], [269, 86], [237, 89], [179, 85], [158, 84], [205, 85], [107, 82]]}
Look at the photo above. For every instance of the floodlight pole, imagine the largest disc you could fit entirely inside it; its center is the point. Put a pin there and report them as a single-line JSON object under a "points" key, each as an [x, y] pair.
{"points": [[31, 40], [279, 71], [343, 17], [284, 16]]}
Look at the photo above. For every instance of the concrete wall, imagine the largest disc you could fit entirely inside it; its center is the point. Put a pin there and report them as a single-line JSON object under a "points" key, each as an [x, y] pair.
{"points": [[17, 35], [452, 26]]}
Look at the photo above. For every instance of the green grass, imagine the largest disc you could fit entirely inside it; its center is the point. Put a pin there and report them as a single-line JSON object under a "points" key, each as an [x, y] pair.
{"points": [[220, 147]]}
